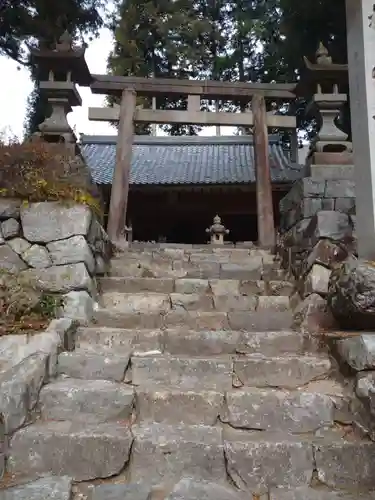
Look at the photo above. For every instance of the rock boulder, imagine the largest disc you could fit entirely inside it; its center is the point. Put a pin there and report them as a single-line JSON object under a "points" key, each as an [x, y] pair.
{"points": [[351, 294]]}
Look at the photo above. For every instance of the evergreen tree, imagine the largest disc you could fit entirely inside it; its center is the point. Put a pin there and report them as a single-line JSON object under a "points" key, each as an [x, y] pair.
{"points": [[152, 38]]}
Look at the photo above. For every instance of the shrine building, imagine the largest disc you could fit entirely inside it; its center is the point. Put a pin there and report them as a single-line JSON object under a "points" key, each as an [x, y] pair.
{"points": [[178, 184]]}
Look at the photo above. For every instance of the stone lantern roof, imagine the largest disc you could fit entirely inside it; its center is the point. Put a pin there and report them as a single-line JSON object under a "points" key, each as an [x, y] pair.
{"points": [[64, 59]]}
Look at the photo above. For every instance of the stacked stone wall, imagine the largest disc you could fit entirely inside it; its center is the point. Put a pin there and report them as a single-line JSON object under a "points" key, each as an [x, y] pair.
{"points": [[62, 248], [329, 187]]}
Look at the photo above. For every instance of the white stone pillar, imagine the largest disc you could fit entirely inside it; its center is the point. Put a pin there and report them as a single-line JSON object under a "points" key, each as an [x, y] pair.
{"points": [[361, 59]]}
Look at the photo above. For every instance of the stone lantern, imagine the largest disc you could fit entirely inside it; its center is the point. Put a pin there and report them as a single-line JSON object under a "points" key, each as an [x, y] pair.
{"points": [[59, 70], [217, 231], [326, 83]]}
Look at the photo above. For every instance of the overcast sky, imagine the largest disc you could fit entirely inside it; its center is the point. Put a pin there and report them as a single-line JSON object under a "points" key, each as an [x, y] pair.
{"points": [[16, 86]]}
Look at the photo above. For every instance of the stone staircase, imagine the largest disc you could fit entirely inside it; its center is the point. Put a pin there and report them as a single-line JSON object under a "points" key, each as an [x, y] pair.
{"points": [[191, 384]]}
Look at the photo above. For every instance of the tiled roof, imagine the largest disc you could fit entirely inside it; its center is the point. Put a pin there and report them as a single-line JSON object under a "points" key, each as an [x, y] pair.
{"points": [[187, 160]]}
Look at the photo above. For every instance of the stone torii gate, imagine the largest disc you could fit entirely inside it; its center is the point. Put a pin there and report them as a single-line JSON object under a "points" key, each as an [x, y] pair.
{"points": [[127, 114]]}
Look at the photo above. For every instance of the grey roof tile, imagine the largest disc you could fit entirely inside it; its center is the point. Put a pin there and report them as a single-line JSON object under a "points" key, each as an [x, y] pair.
{"points": [[187, 160]]}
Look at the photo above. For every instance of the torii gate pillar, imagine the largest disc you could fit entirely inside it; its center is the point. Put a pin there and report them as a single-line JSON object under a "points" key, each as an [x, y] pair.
{"points": [[360, 18]]}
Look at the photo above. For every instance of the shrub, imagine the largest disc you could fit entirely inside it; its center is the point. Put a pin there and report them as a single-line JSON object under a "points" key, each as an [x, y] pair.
{"points": [[40, 171], [24, 308]]}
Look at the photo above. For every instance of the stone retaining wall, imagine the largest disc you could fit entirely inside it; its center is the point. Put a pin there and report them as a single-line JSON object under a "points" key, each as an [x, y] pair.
{"points": [[329, 187], [63, 247], [317, 252], [310, 250]]}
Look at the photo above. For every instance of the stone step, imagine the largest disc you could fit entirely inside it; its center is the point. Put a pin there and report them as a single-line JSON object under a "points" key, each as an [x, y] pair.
{"points": [[251, 408], [253, 268], [174, 406], [118, 340], [257, 461], [81, 451], [287, 371], [162, 454], [217, 287], [256, 321], [184, 372], [254, 370], [100, 365], [157, 303], [274, 410], [47, 488], [86, 401], [319, 493], [189, 342]]}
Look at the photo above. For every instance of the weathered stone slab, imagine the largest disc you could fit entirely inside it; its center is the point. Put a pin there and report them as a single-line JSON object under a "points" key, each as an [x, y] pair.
{"points": [[227, 303], [193, 489], [175, 406], [61, 278], [313, 314], [37, 256], [191, 301], [19, 390], [19, 245], [196, 320], [9, 208], [273, 410], [273, 303], [201, 270], [340, 189], [327, 253], [200, 343], [47, 488], [48, 342], [66, 329], [71, 251], [143, 303], [79, 305], [85, 451], [10, 261], [336, 226], [358, 351], [258, 461], [115, 319], [252, 287], [317, 280], [260, 321], [344, 464], [50, 221], [137, 285], [10, 228], [120, 492], [162, 453], [187, 373], [86, 400], [251, 271], [225, 287], [270, 343], [191, 285], [306, 493], [285, 371], [119, 339], [85, 365]]}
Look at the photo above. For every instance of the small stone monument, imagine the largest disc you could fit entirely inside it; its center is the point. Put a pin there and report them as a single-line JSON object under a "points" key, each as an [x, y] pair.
{"points": [[217, 231]]}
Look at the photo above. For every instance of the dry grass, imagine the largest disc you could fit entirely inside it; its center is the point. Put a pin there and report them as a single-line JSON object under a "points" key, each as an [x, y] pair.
{"points": [[39, 171], [24, 308]]}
